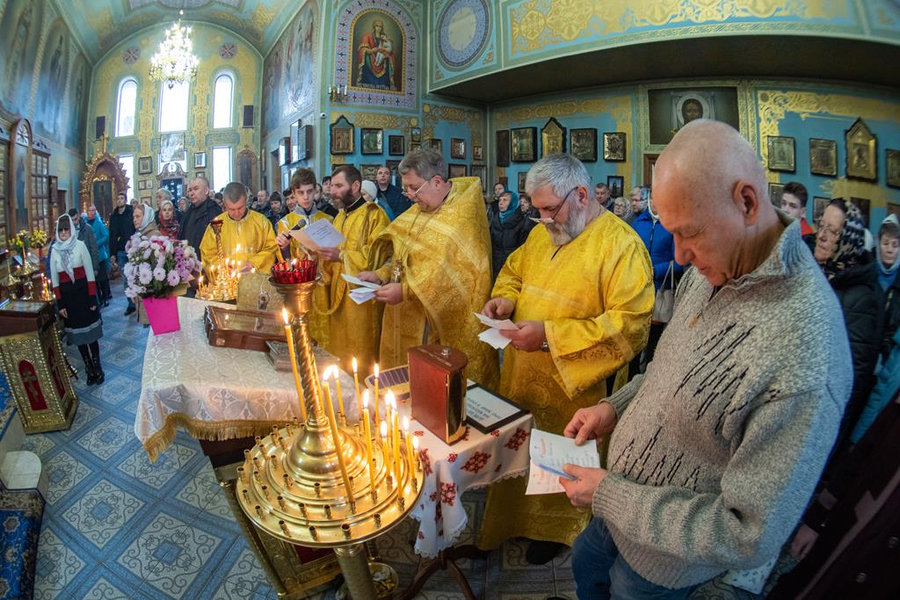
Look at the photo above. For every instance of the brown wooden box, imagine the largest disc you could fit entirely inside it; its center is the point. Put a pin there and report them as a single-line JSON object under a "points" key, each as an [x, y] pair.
{"points": [[437, 385], [244, 329]]}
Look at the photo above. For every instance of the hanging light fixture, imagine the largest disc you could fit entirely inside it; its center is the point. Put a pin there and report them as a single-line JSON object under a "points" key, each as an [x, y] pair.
{"points": [[174, 62]]}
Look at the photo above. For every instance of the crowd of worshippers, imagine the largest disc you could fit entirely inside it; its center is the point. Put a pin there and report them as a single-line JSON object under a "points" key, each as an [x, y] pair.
{"points": [[733, 412]]}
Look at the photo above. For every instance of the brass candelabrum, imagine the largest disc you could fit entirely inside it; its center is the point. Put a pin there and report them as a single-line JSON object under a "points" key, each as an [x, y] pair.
{"points": [[308, 483], [223, 275]]}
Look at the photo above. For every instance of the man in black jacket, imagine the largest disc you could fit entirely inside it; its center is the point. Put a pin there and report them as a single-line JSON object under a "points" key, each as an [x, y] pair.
{"points": [[390, 194], [199, 214], [121, 228]]}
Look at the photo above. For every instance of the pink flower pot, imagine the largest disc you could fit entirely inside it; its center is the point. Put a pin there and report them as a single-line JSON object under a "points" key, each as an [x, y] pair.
{"points": [[162, 314]]}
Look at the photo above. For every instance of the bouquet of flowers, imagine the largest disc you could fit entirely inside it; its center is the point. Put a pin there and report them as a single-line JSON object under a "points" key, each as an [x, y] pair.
{"points": [[21, 242], [157, 266], [38, 238]]}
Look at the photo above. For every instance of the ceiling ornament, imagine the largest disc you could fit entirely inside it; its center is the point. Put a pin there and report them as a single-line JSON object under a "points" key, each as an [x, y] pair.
{"points": [[175, 61]]}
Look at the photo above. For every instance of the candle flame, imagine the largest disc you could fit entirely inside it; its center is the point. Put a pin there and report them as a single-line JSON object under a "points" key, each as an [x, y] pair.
{"points": [[237, 248], [390, 399], [376, 370], [406, 424], [354, 365], [284, 315], [416, 444], [366, 400], [384, 429]]}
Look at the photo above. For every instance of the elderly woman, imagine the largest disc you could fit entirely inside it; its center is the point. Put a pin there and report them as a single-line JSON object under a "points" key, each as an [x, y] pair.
{"points": [[369, 191], [622, 209], [144, 223], [508, 230], [72, 277], [840, 251], [168, 222], [887, 252]]}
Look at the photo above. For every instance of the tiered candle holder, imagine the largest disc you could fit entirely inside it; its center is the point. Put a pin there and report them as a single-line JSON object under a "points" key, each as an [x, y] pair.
{"points": [[310, 483], [222, 275]]}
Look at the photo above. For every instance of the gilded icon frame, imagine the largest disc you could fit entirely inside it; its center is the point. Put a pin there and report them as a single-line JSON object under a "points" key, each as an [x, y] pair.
{"points": [[823, 157], [861, 146], [524, 144], [614, 146], [553, 138], [782, 154]]}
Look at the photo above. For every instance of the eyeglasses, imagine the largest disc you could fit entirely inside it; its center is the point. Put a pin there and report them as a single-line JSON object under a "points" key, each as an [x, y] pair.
{"points": [[409, 194], [548, 220], [828, 231]]}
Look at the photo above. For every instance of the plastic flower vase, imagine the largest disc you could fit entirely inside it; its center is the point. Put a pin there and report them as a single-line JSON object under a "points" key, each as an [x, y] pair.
{"points": [[162, 314]]}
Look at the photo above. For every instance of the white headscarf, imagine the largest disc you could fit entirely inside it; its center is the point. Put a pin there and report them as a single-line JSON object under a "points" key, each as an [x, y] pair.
{"points": [[63, 250], [148, 217]]}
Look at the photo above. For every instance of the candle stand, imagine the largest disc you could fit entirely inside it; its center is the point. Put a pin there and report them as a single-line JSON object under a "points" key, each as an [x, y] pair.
{"points": [[309, 483]]}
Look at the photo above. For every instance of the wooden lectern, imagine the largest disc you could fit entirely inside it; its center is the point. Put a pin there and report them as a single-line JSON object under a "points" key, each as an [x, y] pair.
{"points": [[34, 363]]}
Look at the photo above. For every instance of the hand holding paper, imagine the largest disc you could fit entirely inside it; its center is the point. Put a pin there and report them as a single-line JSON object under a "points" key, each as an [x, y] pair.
{"points": [[492, 336], [359, 282], [549, 455]]}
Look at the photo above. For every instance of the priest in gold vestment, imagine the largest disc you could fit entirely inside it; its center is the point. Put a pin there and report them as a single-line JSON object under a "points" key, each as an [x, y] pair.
{"points": [[580, 290], [354, 330], [247, 236], [303, 186], [439, 272]]}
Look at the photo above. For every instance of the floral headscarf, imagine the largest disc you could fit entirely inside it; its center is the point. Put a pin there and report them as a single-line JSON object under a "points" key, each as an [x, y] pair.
{"points": [[62, 250], [168, 227], [851, 245]]}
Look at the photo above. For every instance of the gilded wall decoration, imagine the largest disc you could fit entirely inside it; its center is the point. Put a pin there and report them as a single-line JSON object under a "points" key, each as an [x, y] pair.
{"points": [[434, 113]]}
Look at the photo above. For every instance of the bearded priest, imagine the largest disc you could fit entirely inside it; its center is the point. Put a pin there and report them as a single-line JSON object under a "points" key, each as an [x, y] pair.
{"points": [[247, 235], [580, 291], [439, 270]]}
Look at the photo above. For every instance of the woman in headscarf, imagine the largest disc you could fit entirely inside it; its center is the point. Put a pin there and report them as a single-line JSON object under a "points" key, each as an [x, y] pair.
{"points": [[887, 253], [840, 252], [168, 222], [144, 223], [72, 277], [508, 230], [622, 209]]}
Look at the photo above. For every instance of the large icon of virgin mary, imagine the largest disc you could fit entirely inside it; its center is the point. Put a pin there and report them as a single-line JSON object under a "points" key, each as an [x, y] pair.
{"points": [[376, 57]]}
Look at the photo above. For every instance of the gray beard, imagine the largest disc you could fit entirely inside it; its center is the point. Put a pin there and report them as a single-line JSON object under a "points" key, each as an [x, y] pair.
{"points": [[563, 233]]}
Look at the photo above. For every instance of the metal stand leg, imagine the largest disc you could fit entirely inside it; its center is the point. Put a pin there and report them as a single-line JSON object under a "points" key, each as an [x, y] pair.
{"points": [[355, 568]]}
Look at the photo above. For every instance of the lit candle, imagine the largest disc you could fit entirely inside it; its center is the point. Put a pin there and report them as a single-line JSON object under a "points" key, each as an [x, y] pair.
{"points": [[290, 343], [395, 430], [368, 432], [356, 382], [385, 447], [337, 440], [376, 392], [337, 380]]}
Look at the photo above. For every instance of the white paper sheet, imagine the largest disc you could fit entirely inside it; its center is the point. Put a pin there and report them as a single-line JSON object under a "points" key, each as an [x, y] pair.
{"points": [[361, 295], [486, 408], [319, 234], [493, 338], [495, 323], [360, 282], [549, 453]]}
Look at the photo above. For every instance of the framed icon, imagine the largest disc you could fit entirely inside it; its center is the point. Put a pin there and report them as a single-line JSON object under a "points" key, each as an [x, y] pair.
{"points": [[480, 171], [369, 171], [199, 160], [371, 140], [145, 165], [892, 162], [520, 187], [415, 134], [503, 147], [142, 185], [415, 146], [436, 144], [822, 157], [457, 148], [457, 171], [342, 136], [295, 141], [396, 145], [865, 207], [478, 153], [524, 144], [553, 138], [284, 151], [616, 185], [304, 143], [776, 191], [614, 146], [583, 144], [781, 153], [819, 204], [861, 147]]}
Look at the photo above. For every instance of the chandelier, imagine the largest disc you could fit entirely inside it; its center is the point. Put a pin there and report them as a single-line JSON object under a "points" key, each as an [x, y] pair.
{"points": [[174, 62]]}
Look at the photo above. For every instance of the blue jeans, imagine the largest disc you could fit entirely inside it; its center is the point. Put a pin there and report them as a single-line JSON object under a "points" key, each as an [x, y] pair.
{"points": [[122, 260], [601, 573]]}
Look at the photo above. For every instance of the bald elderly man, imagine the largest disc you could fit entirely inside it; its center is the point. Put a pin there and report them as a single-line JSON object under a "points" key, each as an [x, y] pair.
{"points": [[716, 450]]}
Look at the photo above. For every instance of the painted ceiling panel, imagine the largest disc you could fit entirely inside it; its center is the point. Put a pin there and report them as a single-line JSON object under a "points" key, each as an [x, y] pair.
{"points": [[100, 24]]}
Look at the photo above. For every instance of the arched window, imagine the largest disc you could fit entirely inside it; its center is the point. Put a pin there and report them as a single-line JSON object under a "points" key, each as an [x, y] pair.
{"points": [[223, 101], [221, 166], [173, 107], [126, 106]]}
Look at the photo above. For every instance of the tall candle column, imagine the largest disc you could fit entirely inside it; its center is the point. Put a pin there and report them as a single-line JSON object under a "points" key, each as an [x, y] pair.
{"points": [[376, 392], [368, 434], [337, 440], [293, 355], [385, 447]]}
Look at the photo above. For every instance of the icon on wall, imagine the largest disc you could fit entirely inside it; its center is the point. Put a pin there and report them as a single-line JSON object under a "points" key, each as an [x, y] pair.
{"points": [[396, 145], [614, 146], [342, 133], [781, 153], [822, 157], [503, 147], [892, 160], [861, 146], [553, 138], [616, 185], [371, 140], [524, 144], [145, 165], [457, 148], [583, 144]]}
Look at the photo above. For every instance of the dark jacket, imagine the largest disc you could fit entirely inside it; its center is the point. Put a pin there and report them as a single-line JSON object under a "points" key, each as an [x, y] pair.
{"points": [[862, 303], [196, 220], [505, 236], [87, 237], [394, 198], [891, 317], [121, 228], [855, 555], [660, 245]]}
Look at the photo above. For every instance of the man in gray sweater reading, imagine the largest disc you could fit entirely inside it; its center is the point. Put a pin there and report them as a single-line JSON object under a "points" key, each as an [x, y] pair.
{"points": [[716, 450]]}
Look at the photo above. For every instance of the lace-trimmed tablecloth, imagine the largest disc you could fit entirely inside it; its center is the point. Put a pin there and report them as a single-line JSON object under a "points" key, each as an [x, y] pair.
{"points": [[214, 393]]}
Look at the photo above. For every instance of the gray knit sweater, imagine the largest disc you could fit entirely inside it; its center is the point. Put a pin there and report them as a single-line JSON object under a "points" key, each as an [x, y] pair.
{"points": [[720, 444]]}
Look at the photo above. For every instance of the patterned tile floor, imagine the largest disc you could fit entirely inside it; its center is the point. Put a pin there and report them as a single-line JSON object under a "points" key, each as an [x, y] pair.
{"points": [[116, 526]]}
